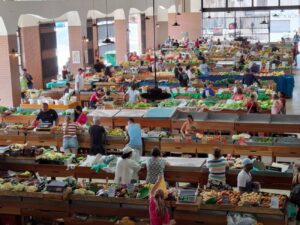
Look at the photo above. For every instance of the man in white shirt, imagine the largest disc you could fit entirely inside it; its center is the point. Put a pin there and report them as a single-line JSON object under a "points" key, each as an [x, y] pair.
{"points": [[79, 80], [126, 168], [132, 95], [244, 179]]}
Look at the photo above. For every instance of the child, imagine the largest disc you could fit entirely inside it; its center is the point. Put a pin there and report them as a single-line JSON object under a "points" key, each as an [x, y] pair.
{"points": [[158, 211], [283, 101], [96, 98]]}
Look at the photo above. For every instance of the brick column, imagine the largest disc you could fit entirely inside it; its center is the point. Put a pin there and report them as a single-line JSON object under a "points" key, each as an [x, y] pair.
{"points": [[76, 44], [95, 40], [10, 92], [31, 54], [121, 39], [189, 22], [149, 33]]}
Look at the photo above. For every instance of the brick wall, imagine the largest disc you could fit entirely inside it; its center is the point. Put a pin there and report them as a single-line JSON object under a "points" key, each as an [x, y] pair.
{"points": [[76, 44], [149, 33], [121, 40], [31, 53], [9, 74], [189, 22]]}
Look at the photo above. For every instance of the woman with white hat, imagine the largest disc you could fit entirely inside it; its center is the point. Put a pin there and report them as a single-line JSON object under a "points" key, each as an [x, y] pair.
{"points": [[82, 119], [126, 168]]}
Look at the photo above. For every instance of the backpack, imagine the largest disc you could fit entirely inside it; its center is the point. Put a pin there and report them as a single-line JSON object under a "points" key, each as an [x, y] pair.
{"points": [[295, 195]]}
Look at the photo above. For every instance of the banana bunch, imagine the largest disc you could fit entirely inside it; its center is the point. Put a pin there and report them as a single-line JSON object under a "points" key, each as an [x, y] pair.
{"points": [[206, 195], [17, 147]]}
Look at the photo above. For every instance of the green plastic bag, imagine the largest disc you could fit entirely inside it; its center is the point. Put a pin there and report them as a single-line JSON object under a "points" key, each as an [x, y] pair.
{"points": [[292, 210]]}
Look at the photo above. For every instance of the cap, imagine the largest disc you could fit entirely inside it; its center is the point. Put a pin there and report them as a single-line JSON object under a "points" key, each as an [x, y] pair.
{"points": [[127, 150], [247, 161]]}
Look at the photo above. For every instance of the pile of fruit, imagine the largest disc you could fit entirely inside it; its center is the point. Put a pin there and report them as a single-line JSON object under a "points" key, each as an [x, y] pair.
{"points": [[209, 196], [232, 197], [252, 199], [266, 200], [116, 132], [50, 155], [83, 191], [16, 187], [265, 105]]}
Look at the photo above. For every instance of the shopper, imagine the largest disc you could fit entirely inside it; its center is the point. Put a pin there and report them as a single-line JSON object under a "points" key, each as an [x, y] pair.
{"points": [[296, 39], [97, 138], [252, 105], [24, 87], [132, 94], [244, 179], [238, 96], [155, 166], [126, 168], [64, 72], [47, 115], [203, 68], [68, 89], [277, 105], [96, 98], [158, 211], [283, 102], [79, 80], [249, 78], [217, 168], [208, 91], [134, 135], [183, 78], [99, 66], [28, 78], [188, 127], [77, 112], [82, 119], [70, 142], [176, 71]]}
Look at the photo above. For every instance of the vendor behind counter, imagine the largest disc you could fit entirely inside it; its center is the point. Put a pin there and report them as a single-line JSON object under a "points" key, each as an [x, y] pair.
{"points": [[47, 115]]}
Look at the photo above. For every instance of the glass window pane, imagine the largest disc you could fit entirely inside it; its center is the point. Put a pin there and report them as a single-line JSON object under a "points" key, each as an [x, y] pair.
{"points": [[239, 3], [265, 2], [213, 3], [290, 2]]}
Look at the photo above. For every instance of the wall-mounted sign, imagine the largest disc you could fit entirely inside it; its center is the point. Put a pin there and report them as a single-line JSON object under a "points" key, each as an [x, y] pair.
{"points": [[76, 57]]}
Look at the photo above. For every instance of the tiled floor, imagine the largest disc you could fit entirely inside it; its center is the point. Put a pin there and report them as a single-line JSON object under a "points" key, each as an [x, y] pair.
{"points": [[293, 105]]}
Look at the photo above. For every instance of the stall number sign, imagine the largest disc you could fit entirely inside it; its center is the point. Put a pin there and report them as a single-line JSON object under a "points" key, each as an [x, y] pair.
{"points": [[111, 192], [274, 203]]}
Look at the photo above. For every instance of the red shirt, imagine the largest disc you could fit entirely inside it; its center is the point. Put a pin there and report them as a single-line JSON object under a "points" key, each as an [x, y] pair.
{"points": [[154, 218], [82, 119], [94, 97]]}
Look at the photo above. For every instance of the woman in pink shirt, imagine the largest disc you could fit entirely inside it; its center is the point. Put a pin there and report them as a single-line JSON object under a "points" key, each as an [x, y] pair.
{"points": [[96, 98], [82, 119], [277, 105], [158, 211], [238, 96]]}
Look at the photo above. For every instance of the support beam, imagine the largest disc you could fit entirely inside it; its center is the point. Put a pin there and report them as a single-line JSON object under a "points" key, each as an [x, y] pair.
{"points": [[10, 93]]}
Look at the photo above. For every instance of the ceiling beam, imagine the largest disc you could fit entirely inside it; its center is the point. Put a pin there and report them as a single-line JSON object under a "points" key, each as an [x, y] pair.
{"points": [[258, 8]]}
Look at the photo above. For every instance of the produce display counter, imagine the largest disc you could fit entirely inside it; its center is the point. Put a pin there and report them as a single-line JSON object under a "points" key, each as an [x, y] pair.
{"points": [[158, 117], [106, 116], [181, 170], [51, 106], [121, 118], [284, 83]]}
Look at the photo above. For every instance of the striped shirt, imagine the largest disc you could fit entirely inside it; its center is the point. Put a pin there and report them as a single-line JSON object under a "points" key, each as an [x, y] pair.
{"points": [[217, 169], [70, 130]]}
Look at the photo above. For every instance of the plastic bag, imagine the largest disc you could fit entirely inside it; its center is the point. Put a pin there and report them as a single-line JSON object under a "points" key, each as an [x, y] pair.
{"points": [[240, 219], [292, 210]]}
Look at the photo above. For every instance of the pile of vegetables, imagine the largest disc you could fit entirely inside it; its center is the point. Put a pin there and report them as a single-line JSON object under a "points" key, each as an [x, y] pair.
{"points": [[169, 103], [138, 105], [225, 82], [3, 109]]}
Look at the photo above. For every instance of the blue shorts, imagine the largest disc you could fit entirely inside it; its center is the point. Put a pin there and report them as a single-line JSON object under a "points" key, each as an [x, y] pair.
{"points": [[70, 143]]}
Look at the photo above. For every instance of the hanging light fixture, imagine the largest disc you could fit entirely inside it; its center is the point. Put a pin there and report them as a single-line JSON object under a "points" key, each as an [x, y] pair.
{"points": [[264, 22], [176, 24], [275, 15], [155, 93], [107, 40]]}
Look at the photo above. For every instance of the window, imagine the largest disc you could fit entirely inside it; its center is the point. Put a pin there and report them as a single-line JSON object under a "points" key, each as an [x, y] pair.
{"points": [[265, 2], [135, 33], [213, 3], [290, 2], [239, 3]]}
